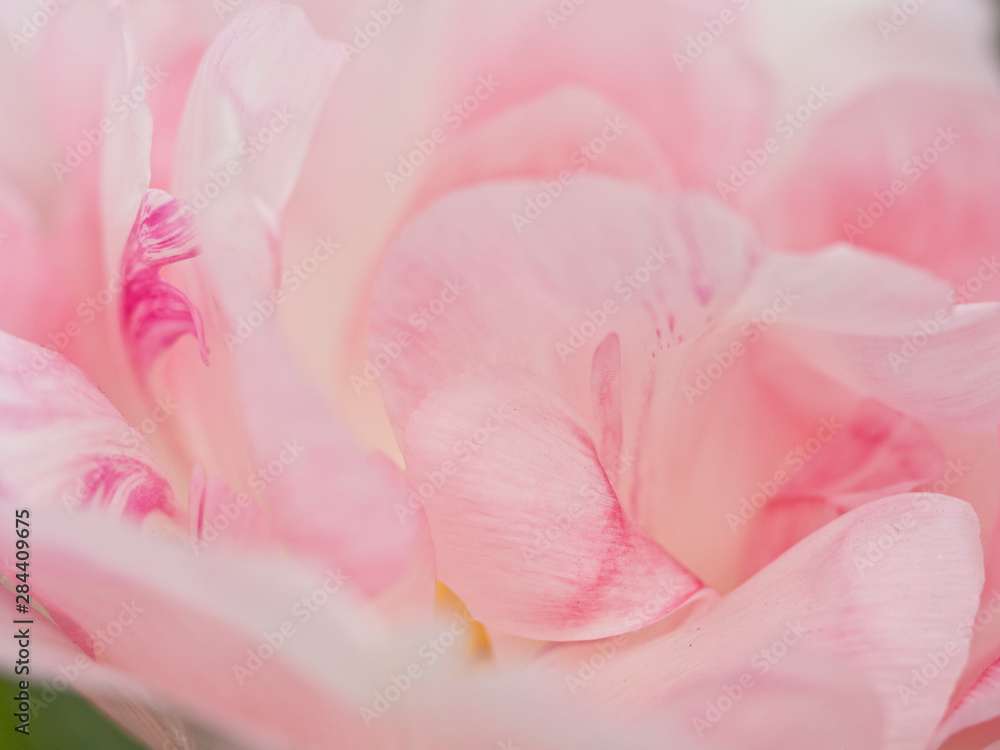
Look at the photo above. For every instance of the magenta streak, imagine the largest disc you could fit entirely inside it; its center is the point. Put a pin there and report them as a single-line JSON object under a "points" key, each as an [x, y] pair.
{"points": [[154, 312]]}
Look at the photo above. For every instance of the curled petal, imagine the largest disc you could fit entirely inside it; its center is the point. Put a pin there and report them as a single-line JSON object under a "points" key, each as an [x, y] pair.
{"points": [[907, 169], [878, 453], [156, 313], [889, 332], [827, 623], [527, 527], [62, 441], [978, 703]]}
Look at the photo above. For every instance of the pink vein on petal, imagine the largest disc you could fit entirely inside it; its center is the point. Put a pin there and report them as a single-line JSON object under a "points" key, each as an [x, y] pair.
{"points": [[156, 313], [606, 393], [197, 492]]}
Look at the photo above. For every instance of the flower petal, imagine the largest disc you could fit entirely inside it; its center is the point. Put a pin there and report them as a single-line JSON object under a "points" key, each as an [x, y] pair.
{"points": [[906, 169], [462, 286], [978, 703], [812, 337], [154, 312], [703, 115], [527, 527], [175, 631], [126, 148], [61, 441], [216, 511], [327, 499], [824, 616], [259, 89], [879, 453], [27, 282], [901, 340], [543, 139], [264, 78], [58, 664], [195, 630], [480, 278]]}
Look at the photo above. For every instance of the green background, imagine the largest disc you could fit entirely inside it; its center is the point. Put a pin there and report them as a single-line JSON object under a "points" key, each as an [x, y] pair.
{"points": [[68, 723]]}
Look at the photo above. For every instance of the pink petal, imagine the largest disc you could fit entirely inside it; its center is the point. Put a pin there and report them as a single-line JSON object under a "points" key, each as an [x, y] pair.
{"points": [[527, 528], [186, 622], [216, 511], [978, 703], [327, 499], [27, 281], [878, 453], [179, 625], [264, 78], [525, 711], [62, 442], [809, 339], [606, 391], [940, 216], [476, 279], [706, 114], [760, 417], [542, 139], [58, 665], [125, 149], [453, 295], [154, 312], [838, 631], [255, 99], [903, 340]]}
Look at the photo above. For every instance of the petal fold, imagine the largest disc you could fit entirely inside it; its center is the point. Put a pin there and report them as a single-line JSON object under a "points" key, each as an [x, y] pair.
{"points": [[527, 527], [156, 313], [878, 453], [978, 703], [840, 632], [889, 332], [61, 441]]}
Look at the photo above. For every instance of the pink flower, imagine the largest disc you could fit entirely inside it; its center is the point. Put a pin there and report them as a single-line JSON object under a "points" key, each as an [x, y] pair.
{"points": [[682, 319]]}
